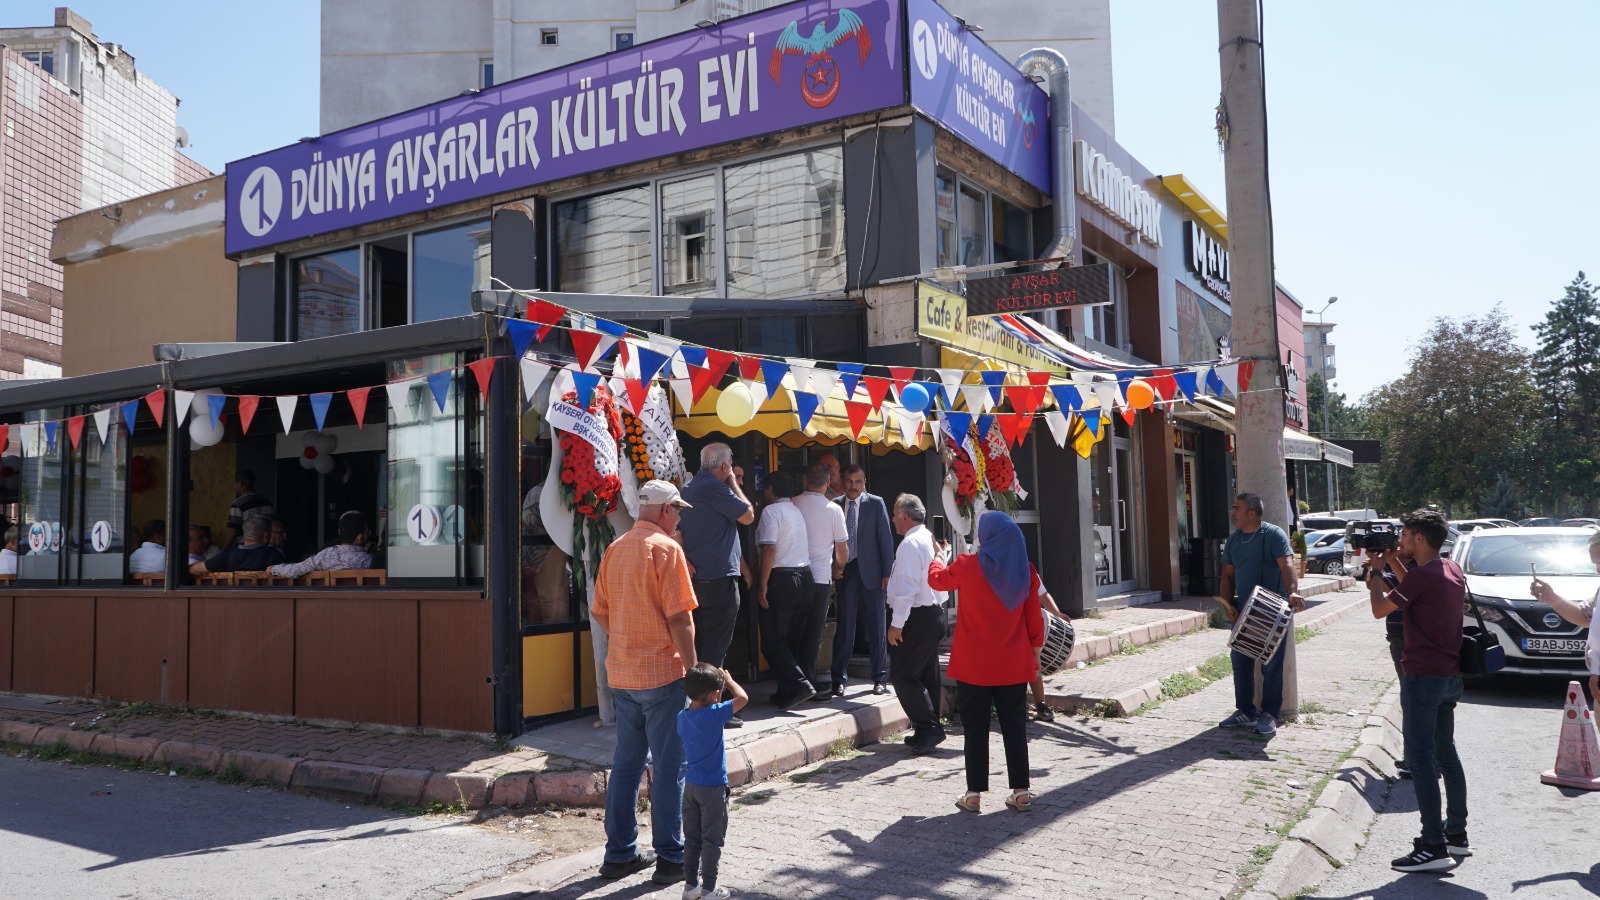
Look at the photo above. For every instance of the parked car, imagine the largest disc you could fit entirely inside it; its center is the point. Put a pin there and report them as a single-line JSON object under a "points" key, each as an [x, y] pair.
{"points": [[1581, 523], [1327, 559], [1499, 565], [1539, 522], [1470, 525], [1355, 558], [1314, 522], [1315, 539]]}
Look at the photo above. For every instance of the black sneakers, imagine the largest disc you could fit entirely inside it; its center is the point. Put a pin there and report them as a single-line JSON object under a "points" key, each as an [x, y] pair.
{"points": [[1456, 844], [644, 859], [1425, 858]]}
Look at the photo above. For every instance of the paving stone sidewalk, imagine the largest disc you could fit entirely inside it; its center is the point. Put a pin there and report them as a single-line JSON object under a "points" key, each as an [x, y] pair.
{"points": [[1159, 805]]}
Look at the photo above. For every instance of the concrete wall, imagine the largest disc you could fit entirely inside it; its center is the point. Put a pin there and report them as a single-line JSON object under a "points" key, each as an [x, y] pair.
{"points": [[380, 58], [147, 271]]}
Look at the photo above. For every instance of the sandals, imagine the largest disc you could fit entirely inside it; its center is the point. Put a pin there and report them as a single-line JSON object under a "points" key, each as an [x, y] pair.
{"points": [[1021, 801], [970, 801]]}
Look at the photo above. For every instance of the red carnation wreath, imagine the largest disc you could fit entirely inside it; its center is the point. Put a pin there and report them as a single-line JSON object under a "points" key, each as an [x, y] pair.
{"points": [[585, 490]]}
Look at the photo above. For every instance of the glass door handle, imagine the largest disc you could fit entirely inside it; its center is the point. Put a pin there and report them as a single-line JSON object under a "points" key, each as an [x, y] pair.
{"points": [[1122, 515]]}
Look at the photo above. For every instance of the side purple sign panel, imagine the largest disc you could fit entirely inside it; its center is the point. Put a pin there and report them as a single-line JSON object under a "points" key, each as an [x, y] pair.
{"points": [[786, 67], [975, 92]]}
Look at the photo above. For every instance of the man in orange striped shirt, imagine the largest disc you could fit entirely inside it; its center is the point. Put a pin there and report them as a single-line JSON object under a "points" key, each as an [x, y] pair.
{"points": [[643, 598]]}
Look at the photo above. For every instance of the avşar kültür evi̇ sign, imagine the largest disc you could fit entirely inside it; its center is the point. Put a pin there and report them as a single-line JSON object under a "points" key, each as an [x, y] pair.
{"points": [[1024, 292]]}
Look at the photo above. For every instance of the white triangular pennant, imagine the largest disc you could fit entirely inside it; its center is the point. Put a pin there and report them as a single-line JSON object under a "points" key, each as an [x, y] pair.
{"points": [[910, 425], [180, 405], [102, 424], [1059, 426], [619, 390], [684, 390], [1106, 393], [951, 379], [399, 399], [977, 397], [679, 368], [758, 391], [286, 407], [533, 375], [821, 382], [1230, 377], [28, 438]]}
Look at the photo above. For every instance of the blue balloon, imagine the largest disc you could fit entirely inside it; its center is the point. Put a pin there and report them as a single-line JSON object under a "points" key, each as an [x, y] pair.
{"points": [[914, 397]]}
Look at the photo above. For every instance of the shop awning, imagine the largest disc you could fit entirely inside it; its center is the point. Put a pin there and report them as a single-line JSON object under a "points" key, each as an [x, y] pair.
{"points": [[1301, 446], [780, 420], [1336, 454]]}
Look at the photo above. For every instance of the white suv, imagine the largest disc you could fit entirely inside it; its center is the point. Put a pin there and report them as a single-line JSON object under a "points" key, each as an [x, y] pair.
{"points": [[1500, 565]]}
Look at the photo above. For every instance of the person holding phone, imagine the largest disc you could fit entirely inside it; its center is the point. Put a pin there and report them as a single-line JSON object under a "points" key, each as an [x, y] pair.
{"points": [[1577, 612]]}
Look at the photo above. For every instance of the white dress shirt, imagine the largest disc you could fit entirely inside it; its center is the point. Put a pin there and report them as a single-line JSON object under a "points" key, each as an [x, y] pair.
{"points": [[908, 581], [824, 527], [150, 558], [783, 527], [8, 561]]}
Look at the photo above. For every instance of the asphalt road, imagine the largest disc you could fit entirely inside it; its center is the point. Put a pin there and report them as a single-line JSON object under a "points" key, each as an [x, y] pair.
{"points": [[89, 832], [1528, 839]]}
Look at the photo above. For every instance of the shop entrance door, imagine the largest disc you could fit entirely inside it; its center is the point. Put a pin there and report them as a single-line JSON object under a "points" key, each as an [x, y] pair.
{"points": [[1112, 541]]}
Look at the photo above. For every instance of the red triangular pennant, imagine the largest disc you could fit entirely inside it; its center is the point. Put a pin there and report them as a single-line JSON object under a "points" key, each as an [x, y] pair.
{"points": [[637, 392], [546, 314], [622, 354], [247, 411], [749, 368], [877, 389], [157, 401], [483, 370], [1041, 386], [1166, 386], [1039, 379], [701, 380], [1015, 427], [1022, 398], [75, 429], [1128, 414], [902, 376], [584, 344], [717, 362], [358, 403], [1247, 369], [858, 416]]}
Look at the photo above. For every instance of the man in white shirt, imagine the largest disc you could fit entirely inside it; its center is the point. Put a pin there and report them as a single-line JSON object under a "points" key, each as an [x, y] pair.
{"points": [[783, 588], [916, 625], [827, 543], [151, 557], [8, 556]]}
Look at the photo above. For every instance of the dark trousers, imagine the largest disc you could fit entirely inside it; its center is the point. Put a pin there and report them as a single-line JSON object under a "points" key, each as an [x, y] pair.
{"points": [[808, 629], [864, 606], [1244, 681], [705, 826], [1010, 703], [1430, 731], [788, 593], [914, 666], [1397, 649], [715, 617]]}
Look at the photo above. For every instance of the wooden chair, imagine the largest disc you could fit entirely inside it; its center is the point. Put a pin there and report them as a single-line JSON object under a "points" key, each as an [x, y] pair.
{"points": [[351, 578], [260, 579], [149, 579], [215, 579], [8, 579]]}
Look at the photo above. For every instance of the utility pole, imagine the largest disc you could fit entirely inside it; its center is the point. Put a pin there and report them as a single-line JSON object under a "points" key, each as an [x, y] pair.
{"points": [[1242, 125]]}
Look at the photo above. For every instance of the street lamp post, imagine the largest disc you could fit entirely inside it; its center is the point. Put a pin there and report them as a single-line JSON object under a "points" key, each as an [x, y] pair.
{"points": [[1327, 396]]}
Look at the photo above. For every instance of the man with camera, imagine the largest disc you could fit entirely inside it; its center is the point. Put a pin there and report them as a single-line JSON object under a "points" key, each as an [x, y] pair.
{"points": [[1431, 594], [1257, 554]]}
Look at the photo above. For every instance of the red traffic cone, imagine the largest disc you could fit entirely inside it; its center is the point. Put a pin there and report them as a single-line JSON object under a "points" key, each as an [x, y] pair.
{"points": [[1578, 754]]}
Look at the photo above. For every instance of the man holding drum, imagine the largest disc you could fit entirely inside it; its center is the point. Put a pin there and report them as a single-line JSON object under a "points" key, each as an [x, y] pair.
{"points": [[1257, 554]]}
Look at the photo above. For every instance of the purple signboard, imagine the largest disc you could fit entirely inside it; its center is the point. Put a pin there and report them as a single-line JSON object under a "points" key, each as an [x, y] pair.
{"points": [[975, 92], [786, 67]]}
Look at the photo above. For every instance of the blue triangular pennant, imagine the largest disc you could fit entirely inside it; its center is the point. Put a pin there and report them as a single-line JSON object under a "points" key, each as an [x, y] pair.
{"points": [[650, 363], [694, 356], [1188, 382], [615, 329], [1122, 387], [320, 402], [1214, 383], [1092, 422], [214, 405], [1067, 397], [50, 436], [984, 423], [805, 403], [850, 374], [522, 334], [439, 383], [995, 380], [958, 423], [772, 373], [584, 383], [130, 413]]}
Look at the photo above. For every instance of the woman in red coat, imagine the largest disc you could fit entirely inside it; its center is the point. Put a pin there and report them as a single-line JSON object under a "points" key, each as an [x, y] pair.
{"points": [[998, 625]]}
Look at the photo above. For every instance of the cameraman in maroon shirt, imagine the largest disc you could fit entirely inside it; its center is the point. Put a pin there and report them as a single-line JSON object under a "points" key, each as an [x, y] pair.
{"points": [[1432, 595]]}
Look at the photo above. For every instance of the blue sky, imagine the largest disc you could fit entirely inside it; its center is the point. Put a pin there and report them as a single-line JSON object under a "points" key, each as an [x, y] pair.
{"points": [[1426, 160]]}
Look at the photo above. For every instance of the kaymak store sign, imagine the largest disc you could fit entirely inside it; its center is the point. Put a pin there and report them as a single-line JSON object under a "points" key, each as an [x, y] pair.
{"points": [[1118, 196], [786, 67], [973, 91]]}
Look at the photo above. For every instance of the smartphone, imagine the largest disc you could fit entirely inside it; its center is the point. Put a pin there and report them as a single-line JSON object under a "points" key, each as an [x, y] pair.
{"points": [[939, 529]]}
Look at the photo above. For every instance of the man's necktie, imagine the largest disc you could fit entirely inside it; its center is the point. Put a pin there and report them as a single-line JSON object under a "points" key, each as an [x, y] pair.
{"points": [[850, 525]]}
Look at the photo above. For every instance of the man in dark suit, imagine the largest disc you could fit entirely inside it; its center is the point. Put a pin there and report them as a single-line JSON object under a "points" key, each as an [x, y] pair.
{"points": [[862, 594]]}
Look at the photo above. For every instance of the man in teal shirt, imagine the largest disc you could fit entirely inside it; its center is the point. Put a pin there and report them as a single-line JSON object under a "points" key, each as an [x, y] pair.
{"points": [[1257, 554]]}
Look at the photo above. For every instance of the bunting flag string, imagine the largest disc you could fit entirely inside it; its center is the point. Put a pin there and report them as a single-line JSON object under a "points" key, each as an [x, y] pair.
{"points": [[358, 404], [247, 412]]}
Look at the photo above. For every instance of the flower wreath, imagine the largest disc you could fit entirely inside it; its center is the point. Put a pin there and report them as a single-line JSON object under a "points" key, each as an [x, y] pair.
{"points": [[1001, 473], [961, 475], [585, 490]]}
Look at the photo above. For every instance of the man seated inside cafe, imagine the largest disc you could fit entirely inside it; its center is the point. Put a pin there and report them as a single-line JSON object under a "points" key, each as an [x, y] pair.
{"points": [[151, 556], [278, 535], [198, 544], [254, 554], [8, 556], [349, 553]]}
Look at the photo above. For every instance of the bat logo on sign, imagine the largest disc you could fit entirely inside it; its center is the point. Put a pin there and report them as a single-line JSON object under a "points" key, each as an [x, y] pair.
{"points": [[819, 82]]}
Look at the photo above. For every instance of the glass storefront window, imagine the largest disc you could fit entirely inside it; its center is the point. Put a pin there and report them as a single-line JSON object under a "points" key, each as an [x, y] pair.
{"points": [[326, 294], [786, 225], [603, 243], [689, 236], [41, 501], [944, 207], [447, 265], [1013, 233], [973, 217], [436, 497], [102, 537]]}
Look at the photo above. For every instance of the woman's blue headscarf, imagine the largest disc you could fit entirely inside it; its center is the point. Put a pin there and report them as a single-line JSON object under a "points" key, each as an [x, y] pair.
{"points": [[1004, 558]]}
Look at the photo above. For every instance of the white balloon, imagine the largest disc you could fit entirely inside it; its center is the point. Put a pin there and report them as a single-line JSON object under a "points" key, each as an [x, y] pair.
{"points": [[202, 432], [325, 443], [306, 462], [308, 438], [323, 464]]}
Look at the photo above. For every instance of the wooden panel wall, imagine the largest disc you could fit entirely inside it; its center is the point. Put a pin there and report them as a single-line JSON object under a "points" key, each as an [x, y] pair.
{"points": [[141, 647], [6, 607], [457, 664], [242, 651], [356, 658], [52, 645]]}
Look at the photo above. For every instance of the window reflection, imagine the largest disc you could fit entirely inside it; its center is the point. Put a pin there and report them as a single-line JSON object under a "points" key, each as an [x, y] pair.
{"points": [[944, 203], [688, 236], [446, 267], [103, 510], [603, 243], [786, 225], [327, 294], [40, 511], [973, 217], [1013, 233], [436, 497]]}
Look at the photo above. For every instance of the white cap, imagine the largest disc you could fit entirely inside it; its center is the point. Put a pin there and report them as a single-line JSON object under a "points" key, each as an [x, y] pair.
{"points": [[658, 492]]}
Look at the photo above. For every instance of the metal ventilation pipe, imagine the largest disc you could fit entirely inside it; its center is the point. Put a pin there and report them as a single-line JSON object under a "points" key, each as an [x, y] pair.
{"points": [[1053, 66]]}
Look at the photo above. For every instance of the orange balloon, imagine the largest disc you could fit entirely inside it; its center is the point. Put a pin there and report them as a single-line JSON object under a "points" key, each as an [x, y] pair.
{"points": [[1140, 394]]}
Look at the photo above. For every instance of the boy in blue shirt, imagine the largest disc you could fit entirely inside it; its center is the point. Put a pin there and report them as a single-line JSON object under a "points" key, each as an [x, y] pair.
{"points": [[705, 789]]}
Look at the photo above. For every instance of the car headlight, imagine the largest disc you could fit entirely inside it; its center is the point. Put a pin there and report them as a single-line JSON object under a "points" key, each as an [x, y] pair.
{"points": [[1489, 613]]}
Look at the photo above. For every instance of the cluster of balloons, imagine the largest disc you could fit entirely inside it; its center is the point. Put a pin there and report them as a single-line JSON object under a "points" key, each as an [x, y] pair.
{"points": [[318, 452], [202, 433]]}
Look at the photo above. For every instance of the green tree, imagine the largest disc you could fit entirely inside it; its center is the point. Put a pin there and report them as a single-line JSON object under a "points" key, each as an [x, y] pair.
{"points": [[1344, 421], [1566, 371], [1500, 499], [1464, 412]]}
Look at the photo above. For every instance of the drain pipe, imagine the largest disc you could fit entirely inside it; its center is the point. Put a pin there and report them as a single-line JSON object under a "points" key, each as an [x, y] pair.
{"points": [[1053, 66]]}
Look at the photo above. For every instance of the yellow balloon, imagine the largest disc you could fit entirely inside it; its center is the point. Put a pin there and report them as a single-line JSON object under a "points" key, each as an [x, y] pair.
{"points": [[735, 406]]}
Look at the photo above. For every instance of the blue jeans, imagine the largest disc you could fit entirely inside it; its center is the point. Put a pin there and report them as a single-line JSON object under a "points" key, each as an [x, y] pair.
{"points": [[1244, 682], [1429, 703], [647, 728]]}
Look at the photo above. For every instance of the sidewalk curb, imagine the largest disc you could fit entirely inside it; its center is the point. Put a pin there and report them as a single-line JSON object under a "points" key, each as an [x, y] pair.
{"points": [[1335, 830]]}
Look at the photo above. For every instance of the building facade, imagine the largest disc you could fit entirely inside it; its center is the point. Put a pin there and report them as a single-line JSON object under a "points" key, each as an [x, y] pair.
{"points": [[1319, 351], [84, 128]]}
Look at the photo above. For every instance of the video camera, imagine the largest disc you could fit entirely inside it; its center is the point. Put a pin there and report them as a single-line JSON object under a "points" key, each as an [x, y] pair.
{"points": [[1374, 537]]}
